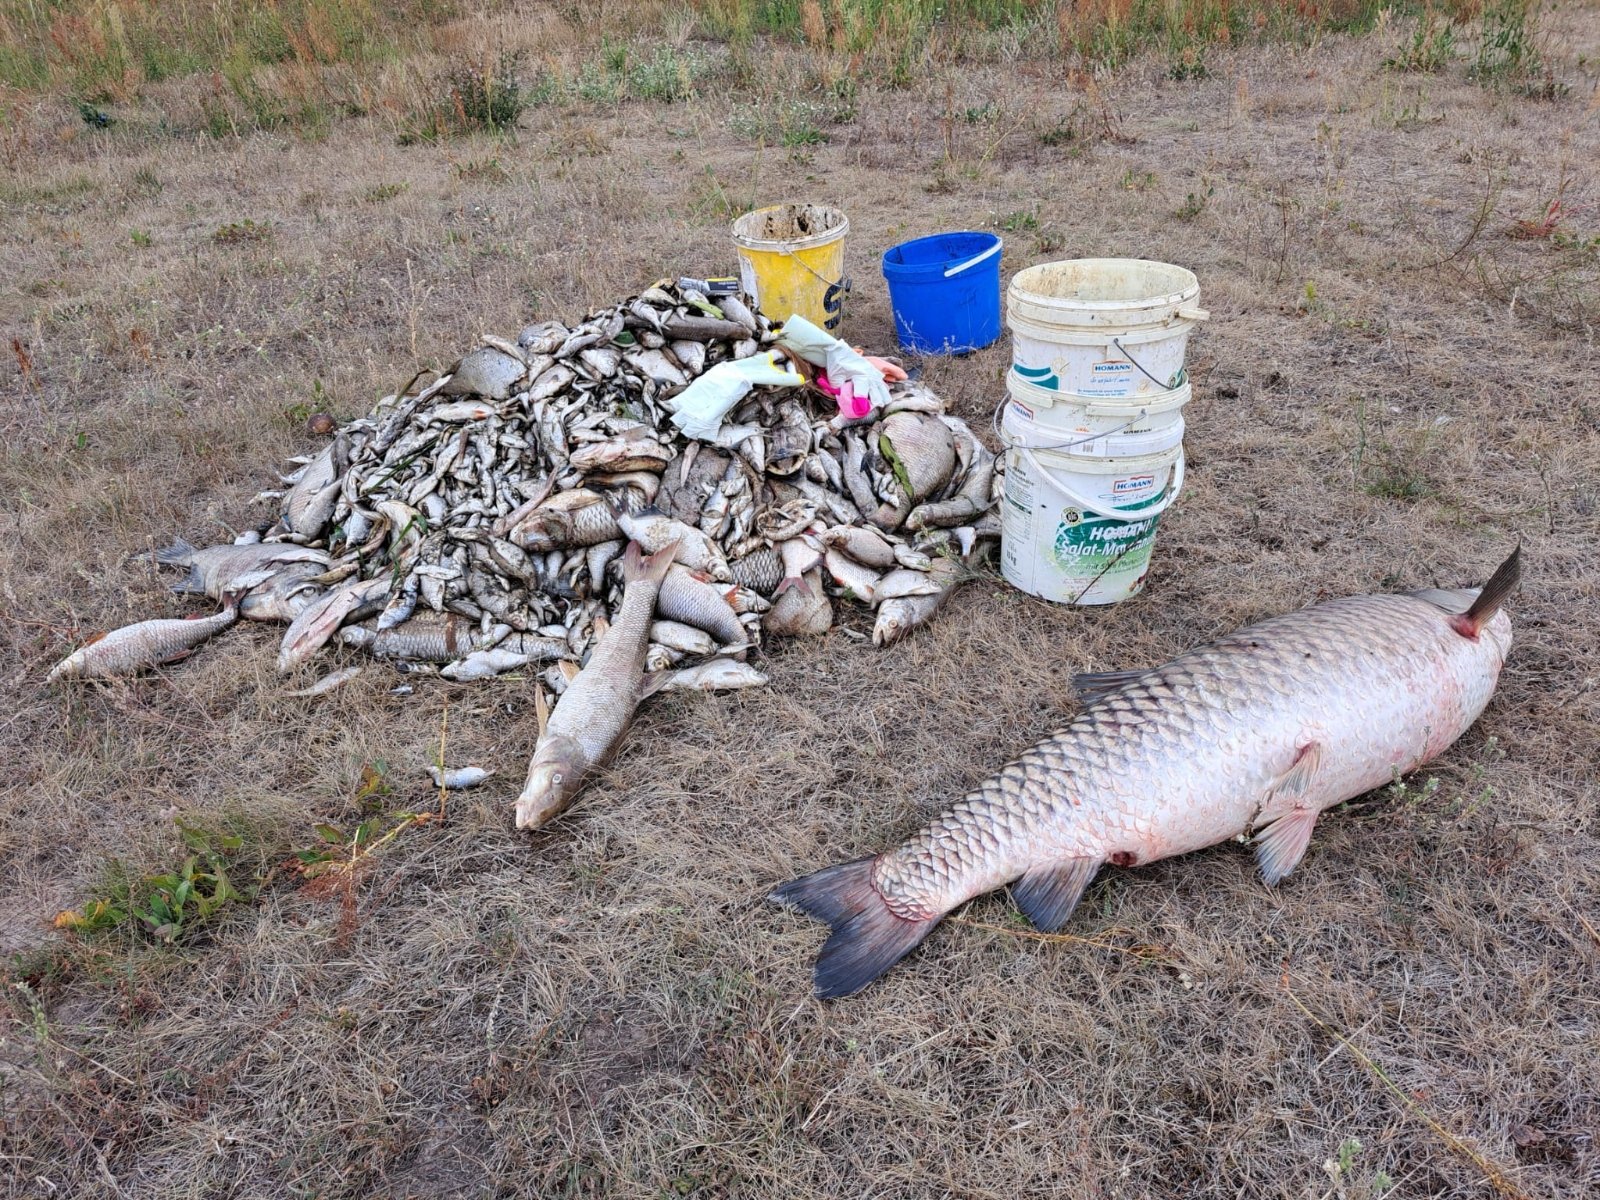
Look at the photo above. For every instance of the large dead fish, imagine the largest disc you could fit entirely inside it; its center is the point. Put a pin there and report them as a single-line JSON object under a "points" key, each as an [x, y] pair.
{"points": [[598, 705], [1254, 734], [147, 644]]}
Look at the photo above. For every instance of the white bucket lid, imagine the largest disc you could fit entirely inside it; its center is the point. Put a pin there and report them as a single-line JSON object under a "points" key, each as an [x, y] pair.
{"points": [[760, 229], [1084, 293], [1034, 396]]}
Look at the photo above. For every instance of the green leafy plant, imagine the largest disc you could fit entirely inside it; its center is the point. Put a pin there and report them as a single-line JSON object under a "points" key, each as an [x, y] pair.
{"points": [[236, 233], [170, 905], [1431, 48]]}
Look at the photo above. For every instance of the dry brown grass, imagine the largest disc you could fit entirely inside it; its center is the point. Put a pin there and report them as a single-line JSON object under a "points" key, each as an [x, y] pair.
{"points": [[606, 1009]]}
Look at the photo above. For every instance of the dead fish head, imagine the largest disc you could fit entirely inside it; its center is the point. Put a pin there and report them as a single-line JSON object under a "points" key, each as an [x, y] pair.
{"points": [[554, 779]]}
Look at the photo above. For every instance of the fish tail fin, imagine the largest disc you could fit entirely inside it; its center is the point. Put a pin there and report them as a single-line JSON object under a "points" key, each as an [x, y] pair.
{"points": [[867, 938], [792, 583], [654, 568], [179, 554], [1494, 594]]}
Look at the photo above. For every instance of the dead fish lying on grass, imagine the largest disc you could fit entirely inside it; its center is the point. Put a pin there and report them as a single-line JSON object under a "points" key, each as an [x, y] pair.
{"points": [[147, 644], [328, 683], [1254, 735], [598, 705], [454, 779]]}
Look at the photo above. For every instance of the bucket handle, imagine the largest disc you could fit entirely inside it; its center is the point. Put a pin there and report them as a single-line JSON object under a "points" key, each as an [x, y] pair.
{"points": [[1114, 514], [1000, 434], [972, 262], [1182, 376], [1194, 314]]}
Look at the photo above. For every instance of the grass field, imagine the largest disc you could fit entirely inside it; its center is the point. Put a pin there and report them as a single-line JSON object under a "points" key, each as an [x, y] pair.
{"points": [[1398, 239]]}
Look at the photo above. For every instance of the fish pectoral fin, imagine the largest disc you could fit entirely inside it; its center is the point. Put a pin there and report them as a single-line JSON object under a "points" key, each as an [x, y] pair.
{"points": [[1295, 780], [1281, 845], [653, 683], [1048, 894], [1094, 686]]}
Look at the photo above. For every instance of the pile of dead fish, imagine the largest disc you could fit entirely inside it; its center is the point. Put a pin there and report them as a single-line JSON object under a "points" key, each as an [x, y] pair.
{"points": [[474, 526]]}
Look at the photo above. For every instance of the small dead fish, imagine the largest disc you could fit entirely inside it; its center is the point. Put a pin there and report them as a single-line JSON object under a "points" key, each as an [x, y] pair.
{"points": [[484, 664], [434, 641], [717, 675], [685, 639], [486, 372], [310, 631], [621, 454], [327, 683], [553, 526], [859, 582], [694, 600], [920, 449], [899, 615], [800, 611], [866, 546], [654, 531], [462, 410], [457, 778], [542, 338], [147, 644]]}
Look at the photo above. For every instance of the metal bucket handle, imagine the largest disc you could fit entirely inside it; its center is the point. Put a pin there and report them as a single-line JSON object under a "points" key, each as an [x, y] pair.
{"points": [[1000, 433], [1115, 514]]}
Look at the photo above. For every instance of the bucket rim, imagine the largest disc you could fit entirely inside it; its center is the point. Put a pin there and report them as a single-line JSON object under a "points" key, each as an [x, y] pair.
{"points": [[1106, 464], [833, 233], [903, 272], [1190, 291], [1021, 389]]}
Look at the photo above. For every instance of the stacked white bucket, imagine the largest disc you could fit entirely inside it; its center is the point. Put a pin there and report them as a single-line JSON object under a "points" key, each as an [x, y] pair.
{"points": [[1094, 422]]}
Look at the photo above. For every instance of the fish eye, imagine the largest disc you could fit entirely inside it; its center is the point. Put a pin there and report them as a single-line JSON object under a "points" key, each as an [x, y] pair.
{"points": [[556, 778]]}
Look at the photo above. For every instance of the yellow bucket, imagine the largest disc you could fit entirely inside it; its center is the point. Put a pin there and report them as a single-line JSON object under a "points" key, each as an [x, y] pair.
{"points": [[791, 260]]}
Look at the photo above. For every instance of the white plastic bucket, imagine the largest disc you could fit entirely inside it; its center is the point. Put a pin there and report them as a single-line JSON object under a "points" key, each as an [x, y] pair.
{"points": [[1103, 327], [1079, 528], [1052, 420]]}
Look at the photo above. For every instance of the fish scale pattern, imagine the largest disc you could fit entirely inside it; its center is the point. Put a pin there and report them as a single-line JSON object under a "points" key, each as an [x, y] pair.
{"points": [[1189, 754]]}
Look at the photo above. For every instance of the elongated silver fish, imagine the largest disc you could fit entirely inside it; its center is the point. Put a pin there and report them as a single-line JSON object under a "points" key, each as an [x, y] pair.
{"points": [[215, 570], [597, 707], [1255, 734], [147, 644]]}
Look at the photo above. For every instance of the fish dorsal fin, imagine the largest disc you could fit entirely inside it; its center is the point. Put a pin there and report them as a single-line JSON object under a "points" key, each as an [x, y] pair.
{"points": [[1495, 593], [1094, 686], [1048, 894], [1281, 845]]}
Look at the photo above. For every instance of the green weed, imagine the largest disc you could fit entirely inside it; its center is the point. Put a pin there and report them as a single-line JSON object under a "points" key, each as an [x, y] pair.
{"points": [[169, 905], [378, 193], [472, 96], [1195, 203], [1432, 46], [139, 237], [238, 233]]}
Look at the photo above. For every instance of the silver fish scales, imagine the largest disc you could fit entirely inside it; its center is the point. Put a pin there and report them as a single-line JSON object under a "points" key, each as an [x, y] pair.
{"points": [[1254, 734]]}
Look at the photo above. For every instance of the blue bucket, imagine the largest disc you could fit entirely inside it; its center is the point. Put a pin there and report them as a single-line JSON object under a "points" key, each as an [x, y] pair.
{"points": [[945, 292]]}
